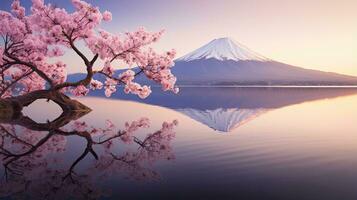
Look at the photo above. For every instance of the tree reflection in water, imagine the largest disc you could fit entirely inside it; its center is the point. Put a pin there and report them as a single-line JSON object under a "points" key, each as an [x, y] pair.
{"points": [[32, 171]]}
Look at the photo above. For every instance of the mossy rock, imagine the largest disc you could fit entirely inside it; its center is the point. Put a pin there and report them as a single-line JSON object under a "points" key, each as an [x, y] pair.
{"points": [[6, 110]]}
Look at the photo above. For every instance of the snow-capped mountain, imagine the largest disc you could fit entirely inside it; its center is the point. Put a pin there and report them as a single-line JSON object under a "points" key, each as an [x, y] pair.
{"points": [[221, 119], [223, 49], [226, 62]]}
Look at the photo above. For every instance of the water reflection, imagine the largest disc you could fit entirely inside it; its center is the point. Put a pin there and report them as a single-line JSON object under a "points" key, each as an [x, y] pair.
{"points": [[223, 119], [227, 108], [35, 166], [302, 146]]}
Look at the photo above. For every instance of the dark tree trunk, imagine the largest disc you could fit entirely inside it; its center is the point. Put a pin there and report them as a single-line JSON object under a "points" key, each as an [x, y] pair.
{"points": [[11, 107], [7, 110]]}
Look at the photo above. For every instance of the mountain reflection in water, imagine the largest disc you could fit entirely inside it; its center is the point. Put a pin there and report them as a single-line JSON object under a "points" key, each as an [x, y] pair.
{"points": [[227, 108]]}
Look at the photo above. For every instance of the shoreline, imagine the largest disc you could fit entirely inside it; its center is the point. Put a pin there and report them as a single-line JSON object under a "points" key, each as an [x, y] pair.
{"points": [[265, 86]]}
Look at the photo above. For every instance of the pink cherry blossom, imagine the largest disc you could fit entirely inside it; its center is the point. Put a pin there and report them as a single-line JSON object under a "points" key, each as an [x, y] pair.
{"points": [[108, 69], [95, 85], [127, 76], [107, 16], [80, 91], [17, 9], [47, 31]]}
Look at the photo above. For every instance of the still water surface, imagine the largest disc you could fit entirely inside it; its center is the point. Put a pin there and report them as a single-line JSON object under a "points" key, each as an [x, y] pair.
{"points": [[235, 143]]}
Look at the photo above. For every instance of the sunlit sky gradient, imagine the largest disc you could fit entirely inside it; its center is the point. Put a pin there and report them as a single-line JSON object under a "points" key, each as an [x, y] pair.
{"points": [[315, 34]]}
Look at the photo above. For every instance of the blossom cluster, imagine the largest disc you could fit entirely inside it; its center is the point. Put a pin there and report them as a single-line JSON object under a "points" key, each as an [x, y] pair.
{"points": [[131, 49]]}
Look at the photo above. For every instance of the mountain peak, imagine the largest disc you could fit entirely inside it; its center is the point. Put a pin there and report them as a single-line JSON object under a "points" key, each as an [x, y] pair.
{"points": [[225, 39], [223, 49]]}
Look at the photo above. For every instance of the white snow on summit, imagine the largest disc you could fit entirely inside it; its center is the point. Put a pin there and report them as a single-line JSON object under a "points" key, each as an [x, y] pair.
{"points": [[224, 120], [223, 49]]}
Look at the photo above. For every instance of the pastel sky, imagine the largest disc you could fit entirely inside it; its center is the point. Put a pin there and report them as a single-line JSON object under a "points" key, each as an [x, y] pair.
{"points": [[315, 34]]}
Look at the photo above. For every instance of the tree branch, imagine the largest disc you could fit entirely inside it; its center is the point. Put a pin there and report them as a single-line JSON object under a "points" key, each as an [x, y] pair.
{"points": [[15, 81], [117, 79], [89, 65], [31, 66]]}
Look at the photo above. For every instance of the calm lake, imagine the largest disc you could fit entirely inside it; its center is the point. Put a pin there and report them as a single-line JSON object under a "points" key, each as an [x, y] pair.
{"points": [[240, 143]]}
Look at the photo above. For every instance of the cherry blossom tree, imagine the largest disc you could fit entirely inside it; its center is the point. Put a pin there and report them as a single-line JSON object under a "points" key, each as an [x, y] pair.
{"points": [[31, 43]]}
